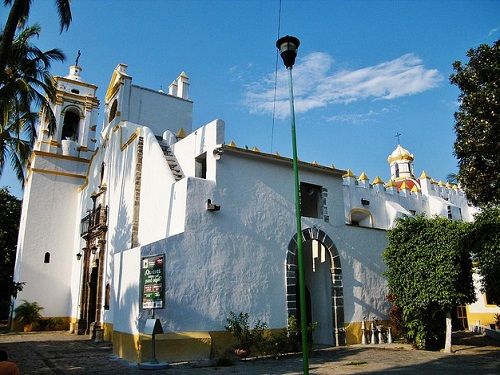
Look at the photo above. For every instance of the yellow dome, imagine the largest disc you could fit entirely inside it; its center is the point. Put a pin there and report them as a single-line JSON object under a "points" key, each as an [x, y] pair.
{"points": [[399, 153]]}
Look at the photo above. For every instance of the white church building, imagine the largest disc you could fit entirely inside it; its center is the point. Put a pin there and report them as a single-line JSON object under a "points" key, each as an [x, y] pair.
{"points": [[96, 203]]}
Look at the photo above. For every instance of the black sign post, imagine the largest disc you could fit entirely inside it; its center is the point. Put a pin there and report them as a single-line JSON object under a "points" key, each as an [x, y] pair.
{"points": [[153, 297]]}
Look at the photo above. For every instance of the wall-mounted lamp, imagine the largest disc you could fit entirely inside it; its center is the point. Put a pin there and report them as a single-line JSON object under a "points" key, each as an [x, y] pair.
{"points": [[365, 202], [93, 249], [78, 256], [211, 206], [217, 153]]}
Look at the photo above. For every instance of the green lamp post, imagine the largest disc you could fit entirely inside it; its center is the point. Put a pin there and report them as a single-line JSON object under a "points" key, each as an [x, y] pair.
{"points": [[288, 46]]}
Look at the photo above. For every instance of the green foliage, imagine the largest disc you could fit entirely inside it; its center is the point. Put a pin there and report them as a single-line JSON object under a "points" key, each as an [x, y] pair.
{"points": [[26, 86], [484, 243], [429, 273], [477, 124], [239, 327], [28, 312], [10, 213]]}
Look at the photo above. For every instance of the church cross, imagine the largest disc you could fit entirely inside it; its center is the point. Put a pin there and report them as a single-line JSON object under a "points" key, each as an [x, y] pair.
{"points": [[78, 57], [398, 135]]}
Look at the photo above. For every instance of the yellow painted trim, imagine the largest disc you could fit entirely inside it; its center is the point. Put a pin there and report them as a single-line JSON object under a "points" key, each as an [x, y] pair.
{"points": [[255, 149], [51, 142], [392, 159], [108, 331], [377, 181], [364, 211], [134, 135], [415, 189], [181, 133], [484, 318], [114, 85], [126, 346], [423, 176], [363, 177], [390, 184], [232, 144], [115, 129], [59, 156], [353, 331], [348, 174], [57, 173], [403, 186]]}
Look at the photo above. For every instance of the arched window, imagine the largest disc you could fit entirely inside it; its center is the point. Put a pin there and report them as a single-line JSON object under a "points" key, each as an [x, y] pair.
{"points": [[112, 111], [103, 165], [361, 217], [46, 258], [70, 127]]}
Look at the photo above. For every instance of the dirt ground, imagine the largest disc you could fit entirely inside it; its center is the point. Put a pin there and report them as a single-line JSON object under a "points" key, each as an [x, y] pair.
{"points": [[62, 353]]}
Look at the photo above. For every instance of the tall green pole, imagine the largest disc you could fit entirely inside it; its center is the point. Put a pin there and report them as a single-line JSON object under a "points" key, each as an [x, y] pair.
{"points": [[300, 258]]}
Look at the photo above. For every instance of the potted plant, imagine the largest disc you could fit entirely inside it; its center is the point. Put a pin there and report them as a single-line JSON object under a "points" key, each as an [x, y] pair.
{"points": [[238, 326], [28, 313]]}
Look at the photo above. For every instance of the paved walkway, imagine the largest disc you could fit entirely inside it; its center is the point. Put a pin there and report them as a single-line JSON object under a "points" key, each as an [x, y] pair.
{"points": [[62, 353]]}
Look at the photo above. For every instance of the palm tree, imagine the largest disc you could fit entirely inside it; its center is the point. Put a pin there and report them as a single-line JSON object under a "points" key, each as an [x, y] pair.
{"points": [[27, 86], [18, 15]]}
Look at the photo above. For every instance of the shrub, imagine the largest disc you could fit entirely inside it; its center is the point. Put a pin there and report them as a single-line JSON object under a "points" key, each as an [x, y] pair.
{"points": [[28, 312]]}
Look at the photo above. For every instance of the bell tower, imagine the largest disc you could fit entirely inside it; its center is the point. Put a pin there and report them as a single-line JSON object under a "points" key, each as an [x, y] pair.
{"points": [[401, 164], [75, 118], [56, 173]]}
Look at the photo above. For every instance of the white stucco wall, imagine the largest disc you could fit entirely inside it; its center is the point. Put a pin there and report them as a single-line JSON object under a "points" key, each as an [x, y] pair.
{"points": [[47, 226], [234, 259], [159, 111]]}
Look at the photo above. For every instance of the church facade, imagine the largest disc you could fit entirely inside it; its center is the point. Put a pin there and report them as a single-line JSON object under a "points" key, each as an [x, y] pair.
{"points": [[221, 218]]}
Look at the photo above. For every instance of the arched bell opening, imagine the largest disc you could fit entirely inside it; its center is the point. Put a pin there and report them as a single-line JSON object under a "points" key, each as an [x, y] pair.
{"points": [[71, 124]]}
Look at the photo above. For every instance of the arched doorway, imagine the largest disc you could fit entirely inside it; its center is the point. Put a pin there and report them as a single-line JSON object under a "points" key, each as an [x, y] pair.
{"points": [[323, 278]]}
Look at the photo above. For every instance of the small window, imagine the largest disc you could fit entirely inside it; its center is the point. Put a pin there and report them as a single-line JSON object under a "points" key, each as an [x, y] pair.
{"points": [[201, 166], [46, 258], [103, 165], [106, 296], [75, 91], [450, 216], [397, 170], [310, 198], [112, 111]]}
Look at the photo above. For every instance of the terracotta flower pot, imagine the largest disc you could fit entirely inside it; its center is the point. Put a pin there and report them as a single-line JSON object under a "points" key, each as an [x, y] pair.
{"points": [[242, 353]]}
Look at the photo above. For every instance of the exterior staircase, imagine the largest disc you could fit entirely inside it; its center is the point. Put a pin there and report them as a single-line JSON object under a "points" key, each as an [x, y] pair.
{"points": [[172, 161]]}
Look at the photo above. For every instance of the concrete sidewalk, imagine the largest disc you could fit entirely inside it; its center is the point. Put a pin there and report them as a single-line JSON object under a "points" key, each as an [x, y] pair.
{"points": [[62, 353]]}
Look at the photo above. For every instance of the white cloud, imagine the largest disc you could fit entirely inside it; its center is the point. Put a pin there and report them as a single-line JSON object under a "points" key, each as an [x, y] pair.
{"points": [[493, 31], [315, 86], [356, 118]]}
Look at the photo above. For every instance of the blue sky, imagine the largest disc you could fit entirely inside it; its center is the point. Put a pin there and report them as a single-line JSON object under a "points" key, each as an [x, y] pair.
{"points": [[365, 71]]}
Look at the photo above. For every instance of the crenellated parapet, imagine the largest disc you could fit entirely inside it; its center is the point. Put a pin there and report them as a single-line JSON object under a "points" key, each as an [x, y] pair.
{"points": [[385, 202]]}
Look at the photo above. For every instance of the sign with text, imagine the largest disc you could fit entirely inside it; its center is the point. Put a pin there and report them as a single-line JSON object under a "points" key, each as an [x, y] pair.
{"points": [[153, 282]]}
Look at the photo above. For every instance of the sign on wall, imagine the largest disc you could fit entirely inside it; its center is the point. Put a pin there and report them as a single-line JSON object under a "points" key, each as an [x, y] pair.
{"points": [[153, 282]]}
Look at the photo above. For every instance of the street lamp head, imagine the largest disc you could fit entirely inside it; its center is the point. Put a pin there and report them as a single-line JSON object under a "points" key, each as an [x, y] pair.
{"points": [[288, 46]]}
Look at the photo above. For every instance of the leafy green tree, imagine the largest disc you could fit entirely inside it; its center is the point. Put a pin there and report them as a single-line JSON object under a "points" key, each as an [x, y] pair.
{"points": [[26, 87], [477, 124], [484, 243], [18, 15], [429, 274], [10, 213]]}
